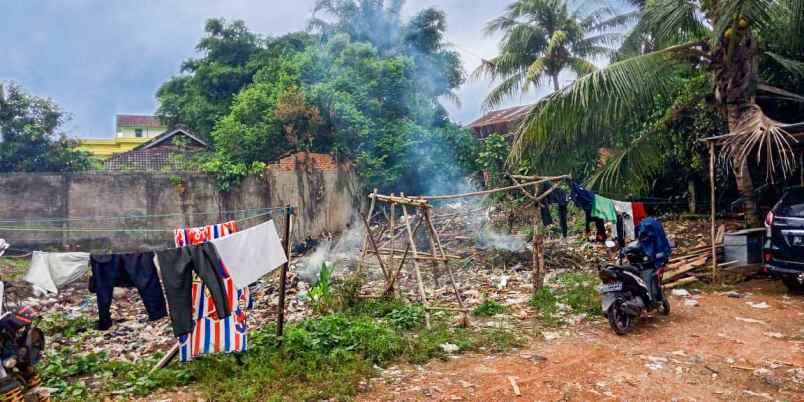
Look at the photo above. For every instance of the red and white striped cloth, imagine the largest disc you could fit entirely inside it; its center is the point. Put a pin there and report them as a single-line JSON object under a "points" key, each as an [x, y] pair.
{"points": [[211, 335]]}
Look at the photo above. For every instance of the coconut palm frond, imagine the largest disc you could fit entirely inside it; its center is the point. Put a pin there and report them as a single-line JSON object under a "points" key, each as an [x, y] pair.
{"points": [[536, 70], [508, 87], [673, 21], [615, 21], [780, 93], [756, 13], [793, 66], [581, 67], [757, 133], [609, 39], [639, 160], [603, 98]]}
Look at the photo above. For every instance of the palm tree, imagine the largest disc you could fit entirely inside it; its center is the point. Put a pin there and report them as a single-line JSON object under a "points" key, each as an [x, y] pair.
{"points": [[542, 38], [716, 36]]}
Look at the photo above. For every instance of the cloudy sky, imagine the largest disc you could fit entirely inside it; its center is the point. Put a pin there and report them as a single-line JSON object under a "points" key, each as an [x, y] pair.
{"points": [[98, 58]]}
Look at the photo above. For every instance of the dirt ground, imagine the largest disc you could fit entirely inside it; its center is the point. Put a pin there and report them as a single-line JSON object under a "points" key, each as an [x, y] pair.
{"points": [[723, 348]]}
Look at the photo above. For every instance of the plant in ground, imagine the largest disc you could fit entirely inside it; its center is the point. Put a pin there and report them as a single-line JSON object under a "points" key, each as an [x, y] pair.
{"points": [[488, 308]]}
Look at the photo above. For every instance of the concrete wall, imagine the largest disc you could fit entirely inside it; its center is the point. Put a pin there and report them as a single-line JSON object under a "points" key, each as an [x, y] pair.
{"points": [[97, 202]]}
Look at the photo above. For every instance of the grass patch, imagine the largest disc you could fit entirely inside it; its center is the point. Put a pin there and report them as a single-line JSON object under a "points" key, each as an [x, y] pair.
{"points": [[573, 289], [488, 308], [321, 358], [13, 268]]}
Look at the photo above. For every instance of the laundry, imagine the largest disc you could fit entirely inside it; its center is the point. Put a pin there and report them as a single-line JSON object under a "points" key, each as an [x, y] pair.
{"points": [[584, 199], [252, 253], [52, 271], [211, 335], [603, 208], [626, 212], [177, 267], [639, 211], [126, 270], [556, 197]]}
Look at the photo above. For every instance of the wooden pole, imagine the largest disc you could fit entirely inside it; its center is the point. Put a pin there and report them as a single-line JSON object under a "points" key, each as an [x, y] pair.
{"points": [[434, 235], [390, 286], [368, 231], [416, 265], [283, 275], [538, 248], [373, 245], [712, 208]]}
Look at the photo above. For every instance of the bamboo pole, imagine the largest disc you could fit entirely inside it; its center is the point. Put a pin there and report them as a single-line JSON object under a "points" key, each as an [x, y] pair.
{"points": [[390, 286], [416, 265], [373, 245], [434, 234], [538, 248], [712, 208], [392, 224], [283, 275], [368, 231], [435, 259]]}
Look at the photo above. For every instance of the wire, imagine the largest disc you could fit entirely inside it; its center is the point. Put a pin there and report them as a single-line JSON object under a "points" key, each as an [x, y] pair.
{"points": [[99, 218], [106, 230]]}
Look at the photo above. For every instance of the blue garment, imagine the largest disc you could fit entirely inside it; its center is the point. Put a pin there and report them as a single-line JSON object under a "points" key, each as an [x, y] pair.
{"points": [[653, 241], [582, 197]]}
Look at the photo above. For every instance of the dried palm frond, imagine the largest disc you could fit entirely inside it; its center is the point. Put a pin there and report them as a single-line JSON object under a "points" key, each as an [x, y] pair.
{"points": [[757, 132]]}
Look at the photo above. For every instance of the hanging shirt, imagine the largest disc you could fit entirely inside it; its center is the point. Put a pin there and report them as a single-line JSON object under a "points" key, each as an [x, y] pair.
{"points": [[603, 208], [252, 253], [582, 197], [51, 271], [639, 212], [625, 210], [210, 335]]}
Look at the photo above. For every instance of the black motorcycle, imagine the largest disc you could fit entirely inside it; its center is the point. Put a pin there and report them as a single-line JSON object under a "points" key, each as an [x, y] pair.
{"points": [[22, 346], [630, 289]]}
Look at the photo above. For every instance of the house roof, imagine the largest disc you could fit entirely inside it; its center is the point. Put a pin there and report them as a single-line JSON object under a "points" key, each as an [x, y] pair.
{"points": [[167, 135], [502, 116], [143, 160], [138, 120]]}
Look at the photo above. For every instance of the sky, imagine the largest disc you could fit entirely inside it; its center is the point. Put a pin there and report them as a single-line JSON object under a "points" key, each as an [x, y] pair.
{"points": [[98, 58]]}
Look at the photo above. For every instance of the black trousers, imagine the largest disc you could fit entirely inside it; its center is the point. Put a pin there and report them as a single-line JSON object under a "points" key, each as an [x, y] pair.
{"points": [[177, 267], [126, 270]]}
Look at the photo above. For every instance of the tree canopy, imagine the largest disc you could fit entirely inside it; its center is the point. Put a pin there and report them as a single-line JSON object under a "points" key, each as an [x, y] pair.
{"points": [[31, 137]]}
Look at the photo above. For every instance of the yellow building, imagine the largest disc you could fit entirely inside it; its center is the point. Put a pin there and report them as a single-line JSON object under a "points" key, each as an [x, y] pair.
{"points": [[131, 131]]}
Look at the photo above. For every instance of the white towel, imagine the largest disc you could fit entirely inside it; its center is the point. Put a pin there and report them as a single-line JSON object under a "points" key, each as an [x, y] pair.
{"points": [[626, 211], [251, 253], [51, 271]]}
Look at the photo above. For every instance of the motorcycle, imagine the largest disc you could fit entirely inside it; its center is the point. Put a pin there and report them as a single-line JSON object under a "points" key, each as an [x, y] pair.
{"points": [[631, 289], [21, 348]]}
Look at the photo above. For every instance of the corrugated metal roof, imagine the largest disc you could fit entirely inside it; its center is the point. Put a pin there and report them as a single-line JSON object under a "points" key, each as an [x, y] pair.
{"points": [[502, 116]]}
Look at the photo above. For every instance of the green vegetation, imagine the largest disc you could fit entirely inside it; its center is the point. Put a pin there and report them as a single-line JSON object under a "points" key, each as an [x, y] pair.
{"points": [[576, 290], [321, 358], [488, 308], [30, 135]]}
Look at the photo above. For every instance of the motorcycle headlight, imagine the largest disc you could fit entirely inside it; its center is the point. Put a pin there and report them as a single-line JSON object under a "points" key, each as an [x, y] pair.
{"points": [[10, 362]]}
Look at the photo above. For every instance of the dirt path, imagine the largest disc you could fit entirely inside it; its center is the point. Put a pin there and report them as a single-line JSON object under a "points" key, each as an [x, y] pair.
{"points": [[712, 351]]}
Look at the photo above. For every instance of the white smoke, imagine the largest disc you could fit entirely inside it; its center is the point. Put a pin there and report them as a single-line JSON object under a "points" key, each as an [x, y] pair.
{"points": [[339, 252]]}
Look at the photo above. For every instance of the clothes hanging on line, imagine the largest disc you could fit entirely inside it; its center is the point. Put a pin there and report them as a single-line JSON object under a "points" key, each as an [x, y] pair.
{"points": [[125, 270], [639, 212], [211, 335], [556, 197], [603, 208], [626, 212], [252, 253], [177, 266], [52, 271]]}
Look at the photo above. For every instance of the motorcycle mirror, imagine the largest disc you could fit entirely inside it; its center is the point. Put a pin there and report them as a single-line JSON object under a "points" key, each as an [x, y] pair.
{"points": [[610, 244]]}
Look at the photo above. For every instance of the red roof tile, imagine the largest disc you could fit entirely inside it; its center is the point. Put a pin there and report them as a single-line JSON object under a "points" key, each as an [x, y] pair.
{"points": [[511, 114], [138, 120]]}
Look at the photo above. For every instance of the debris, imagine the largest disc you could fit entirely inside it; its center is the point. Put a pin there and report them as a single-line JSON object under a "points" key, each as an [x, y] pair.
{"points": [[515, 387], [775, 335], [449, 347], [680, 293], [550, 335], [655, 363], [690, 302], [751, 320], [761, 305], [733, 294], [762, 372]]}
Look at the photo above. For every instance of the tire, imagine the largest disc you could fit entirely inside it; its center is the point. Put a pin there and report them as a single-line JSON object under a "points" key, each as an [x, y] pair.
{"points": [[664, 308], [619, 320], [793, 286]]}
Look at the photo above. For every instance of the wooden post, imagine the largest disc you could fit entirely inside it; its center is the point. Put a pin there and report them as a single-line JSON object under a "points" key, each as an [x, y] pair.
{"points": [[283, 274], [712, 209], [416, 264], [390, 286], [374, 249], [363, 250], [434, 235], [538, 247]]}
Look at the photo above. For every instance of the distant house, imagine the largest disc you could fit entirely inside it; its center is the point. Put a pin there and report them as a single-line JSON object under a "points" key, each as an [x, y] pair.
{"points": [[503, 121], [159, 153], [131, 131]]}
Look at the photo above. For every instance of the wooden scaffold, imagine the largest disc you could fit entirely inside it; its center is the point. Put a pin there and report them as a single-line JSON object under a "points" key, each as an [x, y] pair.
{"points": [[387, 254]]}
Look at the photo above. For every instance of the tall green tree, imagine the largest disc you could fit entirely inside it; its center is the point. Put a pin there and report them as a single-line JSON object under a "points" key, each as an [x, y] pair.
{"points": [[31, 137], [718, 37], [542, 38]]}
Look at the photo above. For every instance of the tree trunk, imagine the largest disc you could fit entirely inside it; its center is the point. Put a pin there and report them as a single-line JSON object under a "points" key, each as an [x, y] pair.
{"points": [[555, 83], [734, 69]]}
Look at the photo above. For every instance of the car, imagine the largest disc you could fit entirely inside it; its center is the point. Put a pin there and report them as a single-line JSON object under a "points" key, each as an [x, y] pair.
{"points": [[783, 253]]}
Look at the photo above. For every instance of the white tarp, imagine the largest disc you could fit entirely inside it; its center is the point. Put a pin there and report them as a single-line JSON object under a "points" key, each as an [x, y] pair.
{"points": [[51, 271], [251, 253]]}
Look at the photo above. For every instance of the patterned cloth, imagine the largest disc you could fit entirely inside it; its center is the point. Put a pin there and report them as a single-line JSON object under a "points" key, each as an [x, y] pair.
{"points": [[210, 335]]}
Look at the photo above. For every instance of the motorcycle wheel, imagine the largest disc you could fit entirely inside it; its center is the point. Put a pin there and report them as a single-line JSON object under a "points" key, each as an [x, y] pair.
{"points": [[664, 308], [619, 320]]}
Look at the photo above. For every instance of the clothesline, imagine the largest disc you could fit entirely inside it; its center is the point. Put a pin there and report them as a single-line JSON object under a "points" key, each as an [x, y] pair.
{"points": [[105, 230], [99, 218]]}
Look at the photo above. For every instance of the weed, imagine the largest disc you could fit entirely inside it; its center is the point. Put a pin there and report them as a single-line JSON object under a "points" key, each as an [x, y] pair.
{"points": [[321, 294], [488, 308], [406, 317], [60, 323], [547, 305], [577, 290]]}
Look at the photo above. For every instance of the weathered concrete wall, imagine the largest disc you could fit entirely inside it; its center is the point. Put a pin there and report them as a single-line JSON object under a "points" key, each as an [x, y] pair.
{"points": [[151, 202]]}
